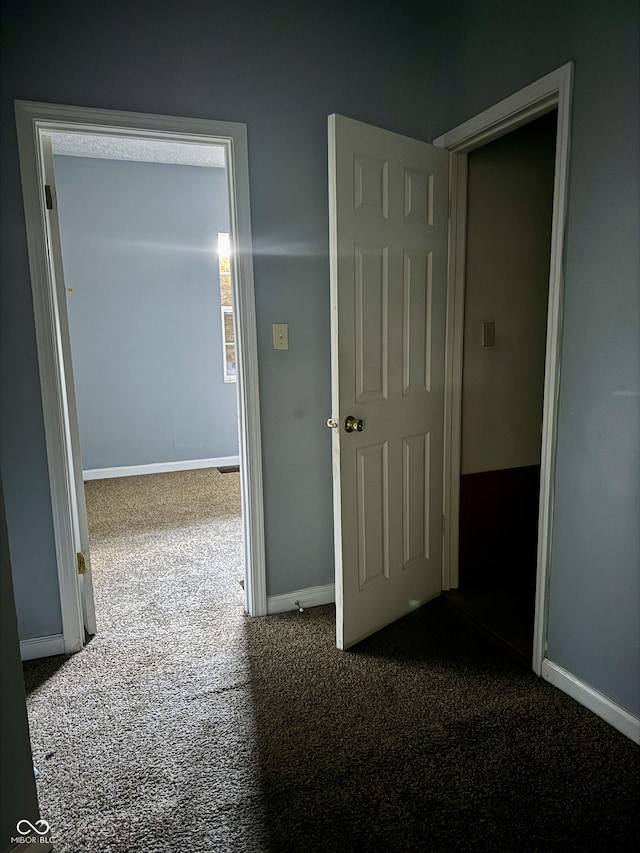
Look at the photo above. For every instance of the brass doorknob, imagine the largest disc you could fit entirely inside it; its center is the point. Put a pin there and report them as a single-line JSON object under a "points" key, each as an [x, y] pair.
{"points": [[352, 424]]}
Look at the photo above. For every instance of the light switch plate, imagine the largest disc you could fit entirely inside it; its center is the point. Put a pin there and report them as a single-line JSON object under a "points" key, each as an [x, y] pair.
{"points": [[281, 336], [489, 334]]}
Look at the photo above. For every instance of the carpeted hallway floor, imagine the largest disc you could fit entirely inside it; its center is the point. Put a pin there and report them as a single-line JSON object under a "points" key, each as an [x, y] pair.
{"points": [[145, 739], [186, 725]]}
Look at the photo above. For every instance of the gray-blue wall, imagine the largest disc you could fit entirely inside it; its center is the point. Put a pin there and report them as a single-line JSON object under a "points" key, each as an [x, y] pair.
{"points": [[139, 248], [481, 52], [281, 68], [416, 68]]}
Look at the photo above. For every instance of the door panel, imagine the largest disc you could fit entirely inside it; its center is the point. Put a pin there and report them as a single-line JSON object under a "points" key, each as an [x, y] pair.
{"points": [[371, 322], [415, 510], [417, 318], [388, 218], [373, 519]]}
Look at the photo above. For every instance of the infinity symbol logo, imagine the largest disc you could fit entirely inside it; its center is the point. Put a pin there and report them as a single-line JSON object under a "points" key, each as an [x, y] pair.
{"points": [[31, 828]]}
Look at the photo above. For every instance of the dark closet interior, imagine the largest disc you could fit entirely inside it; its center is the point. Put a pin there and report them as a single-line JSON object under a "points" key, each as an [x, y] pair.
{"points": [[509, 214]]}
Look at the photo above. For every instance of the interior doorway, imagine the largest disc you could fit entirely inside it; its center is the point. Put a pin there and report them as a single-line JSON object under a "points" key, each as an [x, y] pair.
{"points": [[510, 187], [149, 303], [35, 124]]}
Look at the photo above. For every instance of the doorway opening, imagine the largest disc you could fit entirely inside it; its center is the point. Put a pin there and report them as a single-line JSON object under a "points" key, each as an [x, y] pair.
{"points": [[36, 125], [378, 528], [549, 94], [510, 186], [149, 304]]}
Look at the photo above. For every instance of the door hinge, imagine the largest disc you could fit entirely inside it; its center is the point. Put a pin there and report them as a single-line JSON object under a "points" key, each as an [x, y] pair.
{"points": [[48, 197], [82, 563]]}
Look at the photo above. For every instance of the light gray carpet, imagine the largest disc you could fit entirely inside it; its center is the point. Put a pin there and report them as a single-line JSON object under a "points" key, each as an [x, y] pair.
{"points": [[146, 736], [187, 726]]}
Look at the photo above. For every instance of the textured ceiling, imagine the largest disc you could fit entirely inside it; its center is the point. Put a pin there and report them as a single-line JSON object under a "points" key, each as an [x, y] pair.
{"points": [[145, 150]]}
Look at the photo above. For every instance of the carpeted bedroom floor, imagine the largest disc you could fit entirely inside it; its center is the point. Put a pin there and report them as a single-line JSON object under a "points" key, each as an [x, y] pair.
{"points": [[186, 725]]}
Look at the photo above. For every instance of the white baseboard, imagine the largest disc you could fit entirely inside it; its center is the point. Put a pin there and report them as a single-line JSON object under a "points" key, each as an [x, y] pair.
{"points": [[592, 699], [159, 467], [42, 647], [313, 596]]}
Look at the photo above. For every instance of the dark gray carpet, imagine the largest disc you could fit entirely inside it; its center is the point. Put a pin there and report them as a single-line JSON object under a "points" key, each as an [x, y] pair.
{"points": [[427, 738], [186, 725]]}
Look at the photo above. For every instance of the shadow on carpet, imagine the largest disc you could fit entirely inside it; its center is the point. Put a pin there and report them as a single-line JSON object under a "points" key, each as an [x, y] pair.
{"points": [[425, 738]]}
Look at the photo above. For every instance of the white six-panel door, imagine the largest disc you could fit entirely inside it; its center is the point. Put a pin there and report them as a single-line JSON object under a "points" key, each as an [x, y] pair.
{"points": [[388, 227]]}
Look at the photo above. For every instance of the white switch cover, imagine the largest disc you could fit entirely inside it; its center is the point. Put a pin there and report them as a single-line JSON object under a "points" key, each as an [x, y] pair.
{"points": [[489, 334], [281, 336]]}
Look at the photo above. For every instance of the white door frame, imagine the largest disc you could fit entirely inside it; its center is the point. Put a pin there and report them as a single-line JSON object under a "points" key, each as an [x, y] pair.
{"points": [[34, 119], [550, 92]]}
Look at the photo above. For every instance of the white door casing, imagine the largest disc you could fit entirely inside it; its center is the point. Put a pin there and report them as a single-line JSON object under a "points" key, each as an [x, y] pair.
{"points": [[33, 122], [553, 91], [78, 505], [388, 206]]}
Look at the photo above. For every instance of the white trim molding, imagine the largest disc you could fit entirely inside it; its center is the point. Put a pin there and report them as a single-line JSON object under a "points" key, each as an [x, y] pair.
{"points": [[159, 468], [536, 99], [550, 92], [312, 596], [42, 647], [454, 345], [34, 121], [597, 702]]}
